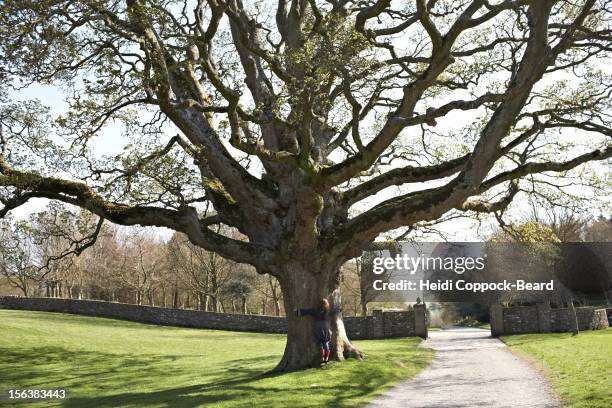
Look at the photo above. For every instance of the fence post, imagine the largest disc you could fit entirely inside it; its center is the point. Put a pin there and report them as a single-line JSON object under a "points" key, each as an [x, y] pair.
{"points": [[420, 321], [497, 320]]}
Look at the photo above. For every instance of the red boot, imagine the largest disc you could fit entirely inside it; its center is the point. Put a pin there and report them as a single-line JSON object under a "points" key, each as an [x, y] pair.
{"points": [[322, 353]]}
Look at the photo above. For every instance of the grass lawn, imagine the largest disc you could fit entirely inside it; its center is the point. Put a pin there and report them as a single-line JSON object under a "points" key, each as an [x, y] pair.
{"points": [[473, 323], [580, 367], [110, 363]]}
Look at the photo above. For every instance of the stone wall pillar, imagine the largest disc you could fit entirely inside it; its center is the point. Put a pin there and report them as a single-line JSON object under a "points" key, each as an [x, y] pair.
{"points": [[497, 320], [543, 310], [420, 321]]}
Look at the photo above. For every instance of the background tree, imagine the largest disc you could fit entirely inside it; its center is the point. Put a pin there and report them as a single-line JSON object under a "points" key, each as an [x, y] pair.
{"points": [[205, 272], [358, 278], [61, 234], [141, 264], [294, 120], [37, 251], [599, 230], [270, 291], [19, 258], [239, 289], [350, 288], [525, 251]]}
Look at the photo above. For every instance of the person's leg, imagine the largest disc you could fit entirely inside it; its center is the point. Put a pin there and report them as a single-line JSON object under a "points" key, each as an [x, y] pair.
{"points": [[325, 351], [328, 339], [322, 351], [323, 336], [320, 335]]}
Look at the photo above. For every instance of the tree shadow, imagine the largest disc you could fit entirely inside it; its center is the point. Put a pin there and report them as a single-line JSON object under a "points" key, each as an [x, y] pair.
{"points": [[95, 378], [242, 392], [97, 373]]}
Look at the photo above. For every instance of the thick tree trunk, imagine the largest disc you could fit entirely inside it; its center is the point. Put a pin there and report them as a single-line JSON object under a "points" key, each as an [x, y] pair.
{"points": [[304, 289]]}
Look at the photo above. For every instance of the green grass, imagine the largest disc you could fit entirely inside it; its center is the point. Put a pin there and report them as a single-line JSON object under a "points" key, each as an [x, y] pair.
{"points": [[580, 367], [110, 363], [473, 323]]}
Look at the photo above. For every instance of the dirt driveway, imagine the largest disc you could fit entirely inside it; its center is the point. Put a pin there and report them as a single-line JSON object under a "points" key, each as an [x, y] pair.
{"points": [[470, 369]]}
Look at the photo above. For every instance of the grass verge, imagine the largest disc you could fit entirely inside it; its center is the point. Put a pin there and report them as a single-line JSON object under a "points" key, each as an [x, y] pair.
{"points": [[580, 367]]}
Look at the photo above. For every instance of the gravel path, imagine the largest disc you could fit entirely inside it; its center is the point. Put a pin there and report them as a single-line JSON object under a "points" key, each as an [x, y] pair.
{"points": [[470, 369]]}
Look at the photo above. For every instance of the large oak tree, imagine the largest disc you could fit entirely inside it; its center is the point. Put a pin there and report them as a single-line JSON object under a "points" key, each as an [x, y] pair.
{"points": [[294, 119]]}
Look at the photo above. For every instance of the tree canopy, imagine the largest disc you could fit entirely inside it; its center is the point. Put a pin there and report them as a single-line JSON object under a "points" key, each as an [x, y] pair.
{"points": [[316, 96]]}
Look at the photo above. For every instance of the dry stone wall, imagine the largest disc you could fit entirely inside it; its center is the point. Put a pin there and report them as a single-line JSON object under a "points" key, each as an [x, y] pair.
{"points": [[382, 324], [542, 319]]}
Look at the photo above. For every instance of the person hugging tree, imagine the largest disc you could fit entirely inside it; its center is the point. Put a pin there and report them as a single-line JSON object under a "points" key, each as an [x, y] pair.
{"points": [[322, 328]]}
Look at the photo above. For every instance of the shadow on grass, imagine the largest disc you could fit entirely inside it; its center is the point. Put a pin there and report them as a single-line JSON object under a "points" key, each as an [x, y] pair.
{"points": [[128, 374], [98, 373], [99, 379], [244, 391]]}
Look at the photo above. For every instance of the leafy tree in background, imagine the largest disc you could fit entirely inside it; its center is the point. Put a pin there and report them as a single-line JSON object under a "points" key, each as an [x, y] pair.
{"points": [[42, 246], [19, 258], [293, 119], [239, 288], [204, 272], [525, 251]]}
